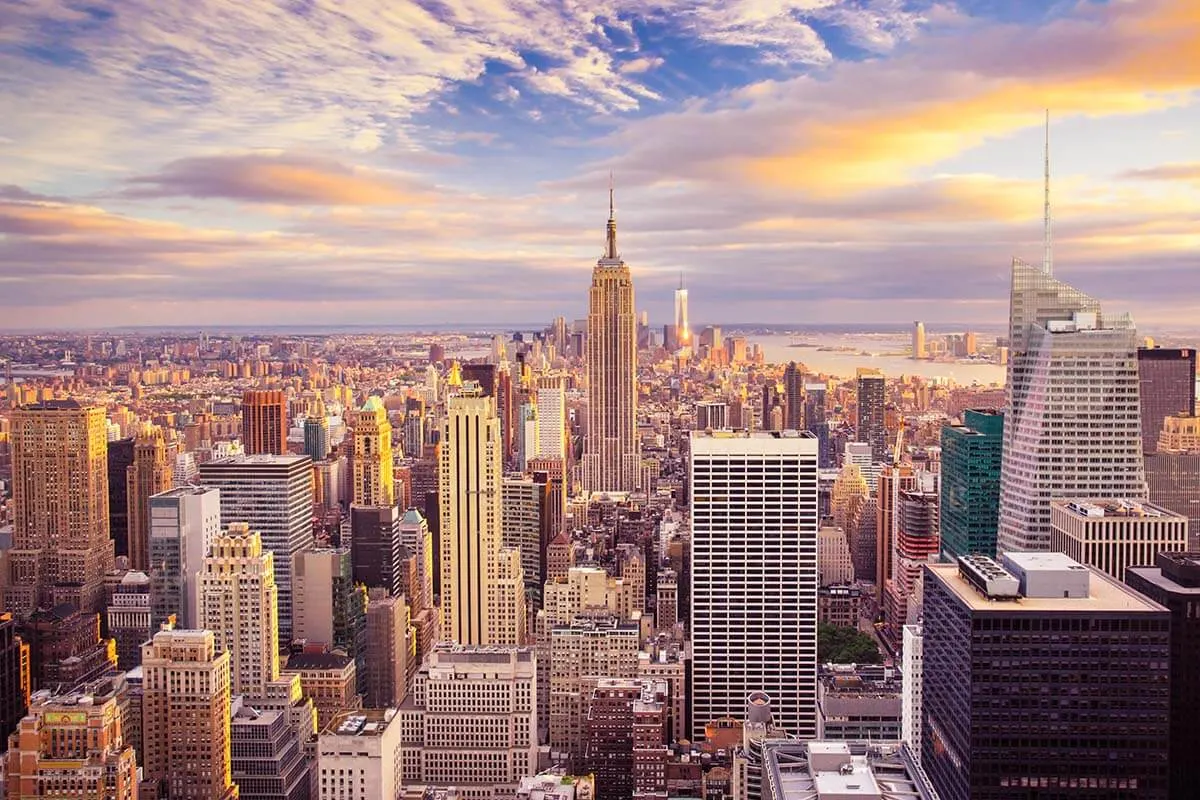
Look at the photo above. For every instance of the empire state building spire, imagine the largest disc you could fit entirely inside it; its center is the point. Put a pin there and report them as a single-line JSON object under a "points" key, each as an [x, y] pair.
{"points": [[610, 247]]}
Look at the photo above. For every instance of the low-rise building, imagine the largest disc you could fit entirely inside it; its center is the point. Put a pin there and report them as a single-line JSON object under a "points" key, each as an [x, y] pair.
{"points": [[858, 702], [359, 756], [1111, 535]]}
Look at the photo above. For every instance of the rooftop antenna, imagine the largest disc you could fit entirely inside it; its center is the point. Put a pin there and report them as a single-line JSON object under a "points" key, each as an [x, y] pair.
{"points": [[1047, 256], [610, 249]]}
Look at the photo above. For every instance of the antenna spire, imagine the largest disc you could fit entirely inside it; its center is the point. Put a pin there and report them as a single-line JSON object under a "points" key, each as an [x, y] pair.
{"points": [[610, 249], [1047, 257]]}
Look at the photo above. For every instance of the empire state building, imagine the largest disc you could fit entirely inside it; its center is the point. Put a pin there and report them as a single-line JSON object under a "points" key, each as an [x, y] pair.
{"points": [[611, 461]]}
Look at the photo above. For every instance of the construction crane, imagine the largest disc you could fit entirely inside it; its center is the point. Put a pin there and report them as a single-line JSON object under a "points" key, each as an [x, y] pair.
{"points": [[899, 447]]}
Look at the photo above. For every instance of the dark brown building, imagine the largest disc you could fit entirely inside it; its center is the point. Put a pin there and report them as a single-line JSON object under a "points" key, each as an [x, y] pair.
{"points": [[1167, 385], [264, 422], [65, 647], [14, 677], [627, 733]]}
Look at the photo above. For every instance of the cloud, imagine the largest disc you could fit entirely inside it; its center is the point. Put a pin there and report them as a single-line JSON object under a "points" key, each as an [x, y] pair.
{"points": [[1187, 172], [274, 178], [641, 64]]}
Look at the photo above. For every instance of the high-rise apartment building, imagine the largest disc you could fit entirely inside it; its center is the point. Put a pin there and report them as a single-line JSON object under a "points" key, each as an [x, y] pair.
{"points": [[892, 481], [72, 746], [330, 608], [183, 524], [376, 548], [60, 549], [129, 616], [912, 672], [471, 721], [522, 527], [14, 674], [1072, 425], [970, 484], [1042, 674], [793, 398], [238, 599], [148, 475], [316, 432], [273, 495], [186, 716], [814, 421], [374, 479], [626, 735], [582, 653], [872, 404], [916, 543], [391, 651], [359, 757], [611, 458], [1113, 534], [264, 422], [754, 575], [1174, 582], [1167, 385], [120, 456], [483, 588], [551, 404], [267, 759]]}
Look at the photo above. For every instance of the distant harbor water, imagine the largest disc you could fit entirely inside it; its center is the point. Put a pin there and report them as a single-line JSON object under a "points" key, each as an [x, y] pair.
{"points": [[842, 355]]}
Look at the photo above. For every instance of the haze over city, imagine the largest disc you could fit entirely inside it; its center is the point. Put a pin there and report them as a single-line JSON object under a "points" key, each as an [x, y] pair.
{"points": [[380, 162]]}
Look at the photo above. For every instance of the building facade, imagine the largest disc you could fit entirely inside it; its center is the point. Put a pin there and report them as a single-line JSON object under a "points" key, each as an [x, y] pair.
{"points": [[183, 524], [611, 457], [970, 484], [1112, 535], [1167, 385], [274, 496], [264, 422], [1012, 651], [754, 575], [872, 403], [1073, 422], [60, 549], [148, 475], [373, 478]]}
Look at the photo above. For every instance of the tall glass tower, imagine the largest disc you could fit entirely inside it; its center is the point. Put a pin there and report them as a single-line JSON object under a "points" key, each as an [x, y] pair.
{"points": [[1073, 426]]}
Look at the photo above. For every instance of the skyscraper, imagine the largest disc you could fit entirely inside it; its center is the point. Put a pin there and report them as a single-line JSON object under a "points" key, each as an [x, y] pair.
{"points": [[814, 421], [273, 495], [329, 608], [683, 331], [918, 340], [551, 418], [238, 604], [871, 407], [149, 474], [183, 524], [264, 422], [754, 575], [971, 484], [1174, 582], [611, 458], [793, 394], [316, 431], [1072, 428], [61, 547], [120, 456], [129, 616], [185, 716], [483, 590], [892, 481], [390, 651], [1042, 673], [374, 479], [1167, 385]]}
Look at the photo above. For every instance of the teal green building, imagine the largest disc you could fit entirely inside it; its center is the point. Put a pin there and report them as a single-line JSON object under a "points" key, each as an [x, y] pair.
{"points": [[971, 484]]}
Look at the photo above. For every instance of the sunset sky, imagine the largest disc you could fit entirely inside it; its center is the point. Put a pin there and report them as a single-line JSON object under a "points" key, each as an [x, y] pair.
{"points": [[380, 161]]}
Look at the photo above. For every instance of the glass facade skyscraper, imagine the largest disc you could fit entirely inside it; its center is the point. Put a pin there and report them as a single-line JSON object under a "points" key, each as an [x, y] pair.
{"points": [[970, 491], [1073, 424]]}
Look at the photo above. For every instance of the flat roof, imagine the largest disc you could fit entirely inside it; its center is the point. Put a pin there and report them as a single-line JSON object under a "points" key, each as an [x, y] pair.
{"points": [[1114, 508], [1104, 593], [362, 722]]}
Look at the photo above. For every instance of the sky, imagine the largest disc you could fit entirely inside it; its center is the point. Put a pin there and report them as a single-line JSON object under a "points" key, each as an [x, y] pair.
{"points": [[206, 162]]}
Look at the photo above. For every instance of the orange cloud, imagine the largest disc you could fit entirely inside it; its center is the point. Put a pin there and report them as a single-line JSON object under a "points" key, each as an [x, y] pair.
{"points": [[1156, 63]]}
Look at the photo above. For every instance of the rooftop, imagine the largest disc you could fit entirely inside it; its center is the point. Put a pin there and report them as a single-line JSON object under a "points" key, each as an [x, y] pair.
{"points": [[1104, 593], [363, 722], [843, 771], [257, 459], [1117, 507], [315, 661], [1178, 573]]}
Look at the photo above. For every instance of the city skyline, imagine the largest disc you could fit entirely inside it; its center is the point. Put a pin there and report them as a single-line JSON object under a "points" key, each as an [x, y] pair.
{"points": [[882, 155]]}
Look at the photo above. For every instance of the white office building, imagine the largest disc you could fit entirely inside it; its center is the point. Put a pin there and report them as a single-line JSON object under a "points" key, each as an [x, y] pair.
{"points": [[911, 675], [1073, 425], [754, 575], [359, 757], [1111, 535], [273, 495], [183, 524]]}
